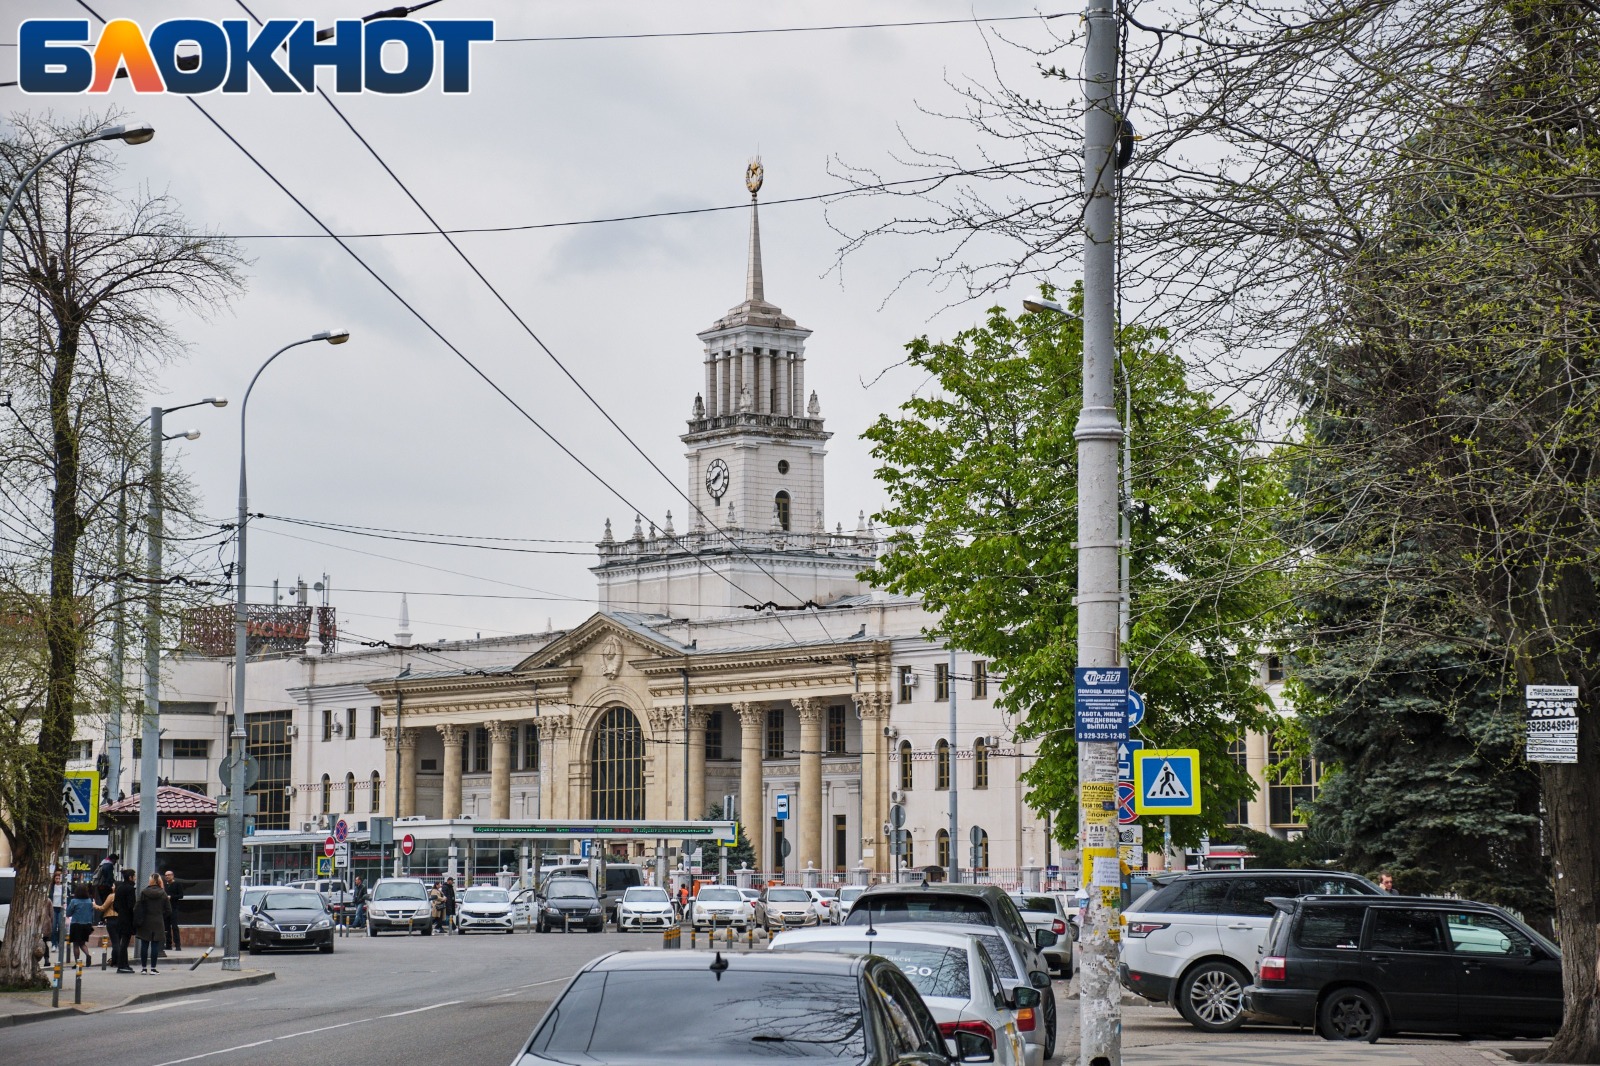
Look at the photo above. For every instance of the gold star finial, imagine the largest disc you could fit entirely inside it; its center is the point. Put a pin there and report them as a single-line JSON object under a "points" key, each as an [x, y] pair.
{"points": [[753, 175]]}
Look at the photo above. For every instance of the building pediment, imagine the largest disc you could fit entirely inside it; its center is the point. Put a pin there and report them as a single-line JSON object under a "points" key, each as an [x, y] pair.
{"points": [[612, 640]]}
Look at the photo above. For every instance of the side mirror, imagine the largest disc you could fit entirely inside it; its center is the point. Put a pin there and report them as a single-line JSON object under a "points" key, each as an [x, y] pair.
{"points": [[1039, 979], [969, 1047], [1044, 938], [1022, 997]]}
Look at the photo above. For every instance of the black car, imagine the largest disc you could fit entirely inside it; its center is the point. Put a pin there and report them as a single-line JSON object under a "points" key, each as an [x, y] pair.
{"points": [[570, 902], [1359, 967], [708, 1007], [291, 918]]}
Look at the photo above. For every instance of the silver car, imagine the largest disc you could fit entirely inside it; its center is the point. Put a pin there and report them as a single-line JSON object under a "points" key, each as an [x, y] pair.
{"points": [[719, 906], [786, 907], [1047, 918], [953, 972]]}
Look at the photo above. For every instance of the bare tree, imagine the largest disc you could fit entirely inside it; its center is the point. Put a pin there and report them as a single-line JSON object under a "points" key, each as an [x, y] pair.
{"points": [[86, 274]]}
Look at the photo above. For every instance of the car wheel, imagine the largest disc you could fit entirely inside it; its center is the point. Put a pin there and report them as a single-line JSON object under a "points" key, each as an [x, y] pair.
{"points": [[1049, 1024], [371, 931], [460, 931], [427, 930], [1211, 997], [255, 949], [326, 949], [1350, 1014]]}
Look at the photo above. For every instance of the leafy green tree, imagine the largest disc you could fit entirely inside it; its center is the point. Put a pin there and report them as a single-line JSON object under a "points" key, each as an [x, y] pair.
{"points": [[981, 477], [741, 852]]}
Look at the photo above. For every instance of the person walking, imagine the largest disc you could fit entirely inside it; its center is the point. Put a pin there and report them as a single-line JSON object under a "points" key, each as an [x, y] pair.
{"points": [[106, 911], [358, 900], [436, 900], [174, 891], [80, 913], [118, 909], [449, 903], [105, 877], [150, 923], [58, 903]]}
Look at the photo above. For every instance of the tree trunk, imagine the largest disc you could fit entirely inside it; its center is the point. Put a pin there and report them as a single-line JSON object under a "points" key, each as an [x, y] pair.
{"points": [[26, 945], [1572, 800]]}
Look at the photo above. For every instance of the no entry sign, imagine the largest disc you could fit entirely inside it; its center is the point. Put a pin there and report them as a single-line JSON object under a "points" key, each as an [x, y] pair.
{"points": [[407, 843]]}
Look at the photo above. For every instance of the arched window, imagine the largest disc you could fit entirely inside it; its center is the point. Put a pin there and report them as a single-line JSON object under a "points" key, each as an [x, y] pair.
{"points": [[980, 763], [780, 508], [327, 794], [942, 848], [941, 761], [906, 775], [377, 792], [616, 765], [349, 793]]}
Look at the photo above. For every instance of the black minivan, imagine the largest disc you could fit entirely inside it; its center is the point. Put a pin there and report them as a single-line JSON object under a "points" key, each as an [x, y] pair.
{"points": [[1357, 967]]}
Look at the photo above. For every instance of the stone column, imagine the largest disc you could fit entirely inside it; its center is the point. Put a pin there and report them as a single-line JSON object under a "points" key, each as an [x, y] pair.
{"points": [[752, 722], [454, 740], [711, 386], [391, 767], [500, 769], [785, 368], [799, 386], [405, 784], [697, 762], [748, 359], [809, 847], [553, 772], [874, 716]]}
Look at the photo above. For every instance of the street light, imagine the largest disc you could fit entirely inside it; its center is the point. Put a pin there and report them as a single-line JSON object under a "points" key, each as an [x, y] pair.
{"points": [[126, 134], [150, 735], [236, 798]]}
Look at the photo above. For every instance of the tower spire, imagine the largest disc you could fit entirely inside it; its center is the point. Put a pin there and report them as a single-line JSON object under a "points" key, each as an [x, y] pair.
{"points": [[754, 290]]}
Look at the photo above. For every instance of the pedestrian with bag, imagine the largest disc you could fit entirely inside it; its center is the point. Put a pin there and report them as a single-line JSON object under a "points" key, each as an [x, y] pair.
{"points": [[80, 913], [105, 877], [117, 909], [449, 903], [150, 923]]}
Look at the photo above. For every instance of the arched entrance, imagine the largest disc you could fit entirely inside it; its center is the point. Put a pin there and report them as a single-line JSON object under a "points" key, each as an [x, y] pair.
{"points": [[616, 766]]}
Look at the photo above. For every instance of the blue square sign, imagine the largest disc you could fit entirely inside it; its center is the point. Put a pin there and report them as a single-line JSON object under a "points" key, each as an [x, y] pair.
{"points": [[1166, 781], [1101, 704]]}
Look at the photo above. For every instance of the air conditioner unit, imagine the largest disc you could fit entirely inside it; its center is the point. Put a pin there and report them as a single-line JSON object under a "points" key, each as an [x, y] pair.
{"points": [[305, 827], [292, 732], [896, 796], [891, 732], [338, 728], [912, 679]]}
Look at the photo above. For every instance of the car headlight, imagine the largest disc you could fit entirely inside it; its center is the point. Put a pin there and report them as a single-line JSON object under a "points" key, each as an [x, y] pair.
{"points": [[264, 923], [323, 923]]}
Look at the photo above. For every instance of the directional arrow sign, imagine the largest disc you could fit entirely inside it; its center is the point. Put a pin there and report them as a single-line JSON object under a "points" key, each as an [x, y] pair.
{"points": [[1135, 708], [1166, 782], [1125, 752]]}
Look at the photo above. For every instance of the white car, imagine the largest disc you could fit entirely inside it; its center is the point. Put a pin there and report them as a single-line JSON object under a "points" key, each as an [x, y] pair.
{"points": [[399, 903], [826, 902], [247, 904], [484, 908], [644, 908], [719, 906], [848, 894], [953, 972]]}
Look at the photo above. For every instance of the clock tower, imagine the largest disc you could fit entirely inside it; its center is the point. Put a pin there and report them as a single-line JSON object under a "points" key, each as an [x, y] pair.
{"points": [[756, 446]]}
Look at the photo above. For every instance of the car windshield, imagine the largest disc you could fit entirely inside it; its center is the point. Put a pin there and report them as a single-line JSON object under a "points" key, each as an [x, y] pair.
{"points": [[851, 893], [486, 895], [292, 901], [252, 896], [645, 895], [720, 895], [788, 895], [825, 893], [933, 969], [930, 907], [570, 889], [702, 1015], [400, 890], [1035, 904]]}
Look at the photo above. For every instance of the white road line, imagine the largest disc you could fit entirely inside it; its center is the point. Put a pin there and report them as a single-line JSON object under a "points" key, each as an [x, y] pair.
{"points": [[419, 1010], [164, 1006], [552, 981], [307, 1032], [208, 1054]]}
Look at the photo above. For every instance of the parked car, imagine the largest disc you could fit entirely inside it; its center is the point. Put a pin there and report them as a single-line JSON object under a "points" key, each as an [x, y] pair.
{"points": [[1194, 941], [247, 902], [743, 1007], [291, 918], [721, 905], [334, 890], [565, 902], [786, 907], [826, 902], [848, 894], [1047, 919], [8, 885], [399, 903], [980, 910], [645, 907], [1356, 968], [484, 908], [952, 972]]}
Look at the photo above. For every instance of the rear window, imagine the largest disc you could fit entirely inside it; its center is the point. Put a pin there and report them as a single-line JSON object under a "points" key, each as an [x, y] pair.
{"points": [[1036, 904], [758, 1014], [931, 907], [932, 970], [1330, 927], [8, 885], [622, 877]]}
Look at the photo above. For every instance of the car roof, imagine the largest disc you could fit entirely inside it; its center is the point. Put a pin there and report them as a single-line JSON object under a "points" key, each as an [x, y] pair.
{"points": [[1392, 901], [953, 928], [903, 933], [942, 888], [820, 962]]}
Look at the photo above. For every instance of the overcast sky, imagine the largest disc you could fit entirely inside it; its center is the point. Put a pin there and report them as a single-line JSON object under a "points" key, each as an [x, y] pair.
{"points": [[392, 430]]}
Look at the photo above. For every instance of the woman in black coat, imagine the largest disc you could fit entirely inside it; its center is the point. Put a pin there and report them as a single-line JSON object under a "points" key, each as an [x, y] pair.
{"points": [[150, 923]]}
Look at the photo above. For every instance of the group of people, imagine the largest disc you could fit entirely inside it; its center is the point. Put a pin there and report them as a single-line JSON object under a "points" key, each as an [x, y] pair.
{"points": [[442, 895], [113, 898]]}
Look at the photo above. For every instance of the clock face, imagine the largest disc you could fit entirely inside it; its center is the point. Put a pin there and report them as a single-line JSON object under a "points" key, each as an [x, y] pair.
{"points": [[717, 478]]}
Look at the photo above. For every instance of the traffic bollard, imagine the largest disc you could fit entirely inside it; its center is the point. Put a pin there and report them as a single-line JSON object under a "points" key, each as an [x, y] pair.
{"points": [[77, 986], [55, 985], [202, 958]]}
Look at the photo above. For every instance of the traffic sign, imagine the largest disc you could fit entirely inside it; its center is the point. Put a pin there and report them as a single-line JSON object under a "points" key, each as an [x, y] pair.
{"points": [[329, 846], [1135, 708], [252, 771], [976, 835], [1125, 752], [783, 806], [1100, 707], [407, 844], [1167, 781], [784, 847], [80, 798], [897, 816], [341, 856], [1126, 815], [324, 866], [341, 830]]}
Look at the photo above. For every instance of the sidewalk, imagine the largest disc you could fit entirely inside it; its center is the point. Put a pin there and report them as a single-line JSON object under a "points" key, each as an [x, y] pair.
{"points": [[109, 990]]}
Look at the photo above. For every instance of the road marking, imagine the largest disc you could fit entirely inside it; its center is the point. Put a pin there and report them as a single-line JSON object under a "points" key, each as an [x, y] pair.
{"points": [[208, 1054], [419, 1010], [536, 984], [164, 1006], [307, 1032]]}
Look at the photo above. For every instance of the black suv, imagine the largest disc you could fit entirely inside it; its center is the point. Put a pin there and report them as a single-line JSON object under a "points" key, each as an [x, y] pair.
{"points": [[1359, 967]]}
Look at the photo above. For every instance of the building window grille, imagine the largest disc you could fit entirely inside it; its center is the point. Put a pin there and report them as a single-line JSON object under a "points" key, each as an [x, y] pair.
{"points": [[327, 794], [980, 679], [941, 762], [349, 793], [941, 682], [907, 773], [836, 730], [780, 510], [616, 759], [714, 735], [980, 763], [774, 733]]}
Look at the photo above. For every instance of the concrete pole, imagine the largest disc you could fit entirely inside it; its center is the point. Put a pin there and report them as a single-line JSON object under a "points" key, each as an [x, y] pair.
{"points": [[954, 871], [1098, 434], [119, 640], [809, 845], [150, 722]]}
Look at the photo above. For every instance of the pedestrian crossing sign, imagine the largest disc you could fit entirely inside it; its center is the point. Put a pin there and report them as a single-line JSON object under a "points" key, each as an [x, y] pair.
{"points": [[1166, 781], [324, 865], [80, 798]]}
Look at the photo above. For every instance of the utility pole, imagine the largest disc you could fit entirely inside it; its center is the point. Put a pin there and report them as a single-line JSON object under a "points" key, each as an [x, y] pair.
{"points": [[119, 639], [150, 731], [1098, 434], [954, 872]]}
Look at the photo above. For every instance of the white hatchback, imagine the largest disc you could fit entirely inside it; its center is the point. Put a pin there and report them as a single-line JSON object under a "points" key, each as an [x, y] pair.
{"points": [[643, 908], [720, 906]]}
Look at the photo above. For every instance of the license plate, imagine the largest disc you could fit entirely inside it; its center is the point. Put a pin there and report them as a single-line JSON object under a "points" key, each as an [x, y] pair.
{"points": [[292, 936]]}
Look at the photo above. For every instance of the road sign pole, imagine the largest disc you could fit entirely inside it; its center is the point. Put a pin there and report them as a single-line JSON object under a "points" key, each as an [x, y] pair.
{"points": [[150, 720]]}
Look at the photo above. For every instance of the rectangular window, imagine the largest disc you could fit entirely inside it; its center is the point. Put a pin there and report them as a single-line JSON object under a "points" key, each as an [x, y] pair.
{"points": [[350, 723], [905, 684], [138, 745], [480, 749], [530, 746], [980, 679], [327, 723], [377, 722], [1392, 929], [980, 763], [841, 844], [82, 750], [184, 748], [1274, 668], [836, 721], [267, 741], [774, 734], [1241, 813], [714, 735], [941, 682], [1330, 927], [1293, 786]]}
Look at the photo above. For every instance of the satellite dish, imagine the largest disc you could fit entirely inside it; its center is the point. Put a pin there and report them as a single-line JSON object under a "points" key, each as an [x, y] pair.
{"points": [[317, 586]]}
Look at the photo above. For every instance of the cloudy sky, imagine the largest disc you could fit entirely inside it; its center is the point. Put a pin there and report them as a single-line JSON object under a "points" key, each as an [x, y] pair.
{"points": [[392, 430]]}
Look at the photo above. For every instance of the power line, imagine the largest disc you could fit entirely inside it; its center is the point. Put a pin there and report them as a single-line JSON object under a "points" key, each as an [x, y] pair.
{"points": [[775, 29]]}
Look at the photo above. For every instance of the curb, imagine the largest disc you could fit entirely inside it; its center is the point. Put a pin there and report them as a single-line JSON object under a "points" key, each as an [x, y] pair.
{"points": [[35, 1016], [153, 996]]}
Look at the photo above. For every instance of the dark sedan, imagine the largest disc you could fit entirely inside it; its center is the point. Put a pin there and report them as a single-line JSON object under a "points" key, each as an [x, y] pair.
{"points": [[570, 902], [291, 918], [711, 1007]]}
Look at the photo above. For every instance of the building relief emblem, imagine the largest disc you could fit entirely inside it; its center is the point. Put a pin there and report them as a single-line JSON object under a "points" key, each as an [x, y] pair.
{"points": [[611, 657]]}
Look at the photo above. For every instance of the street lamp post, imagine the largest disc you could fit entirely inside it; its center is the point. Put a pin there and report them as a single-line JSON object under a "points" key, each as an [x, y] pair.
{"points": [[236, 797], [150, 720]]}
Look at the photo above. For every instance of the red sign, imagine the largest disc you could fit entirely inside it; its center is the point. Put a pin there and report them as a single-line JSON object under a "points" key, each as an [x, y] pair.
{"points": [[183, 823], [407, 843], [329, 846]]}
